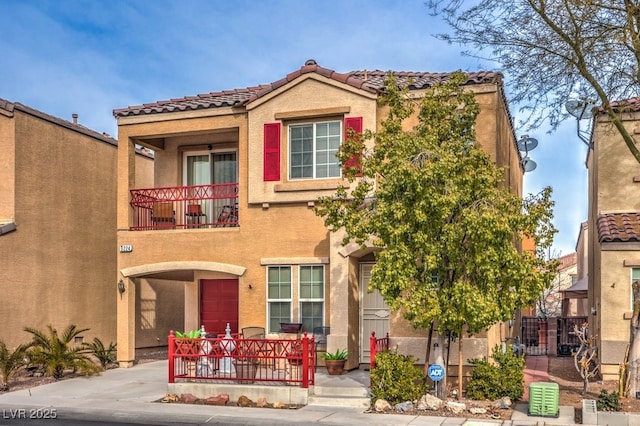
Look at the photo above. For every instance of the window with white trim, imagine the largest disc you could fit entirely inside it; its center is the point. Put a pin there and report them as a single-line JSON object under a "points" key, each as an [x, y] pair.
{"points": [[311, 296], [279, 296], [312, 150]]}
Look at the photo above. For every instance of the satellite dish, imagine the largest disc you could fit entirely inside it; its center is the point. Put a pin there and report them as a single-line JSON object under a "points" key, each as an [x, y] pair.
{"points": [[580, 108], [527, 144], [528, 164]]}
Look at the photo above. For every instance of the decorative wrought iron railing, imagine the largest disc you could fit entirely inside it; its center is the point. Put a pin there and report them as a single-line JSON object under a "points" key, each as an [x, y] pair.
{"points": [[238, 360], [185, 207]]}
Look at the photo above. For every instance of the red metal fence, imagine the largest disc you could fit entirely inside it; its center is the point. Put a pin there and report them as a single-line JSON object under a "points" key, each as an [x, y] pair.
{"points": [[376, 346], [238, 360], [198, 206]]}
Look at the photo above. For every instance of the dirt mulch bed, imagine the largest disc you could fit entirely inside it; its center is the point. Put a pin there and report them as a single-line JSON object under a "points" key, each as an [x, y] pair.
{"points": [[563, 372]]}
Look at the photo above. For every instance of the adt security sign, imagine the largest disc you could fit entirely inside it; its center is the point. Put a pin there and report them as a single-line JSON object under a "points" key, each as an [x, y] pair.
{"points": [[436, 372]]}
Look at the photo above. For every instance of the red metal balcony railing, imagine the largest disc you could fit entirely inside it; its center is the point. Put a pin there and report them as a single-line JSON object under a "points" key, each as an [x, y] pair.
{"points": [[238, 360], [185, 207]]}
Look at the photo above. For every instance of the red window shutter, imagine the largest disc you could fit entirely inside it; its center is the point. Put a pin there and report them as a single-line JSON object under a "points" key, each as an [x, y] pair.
{"points": [[272, 151], [354, 123]]}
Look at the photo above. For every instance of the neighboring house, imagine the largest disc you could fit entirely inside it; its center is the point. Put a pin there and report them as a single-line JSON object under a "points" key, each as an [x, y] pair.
{"points": [[227, 233], [550, 303], [614, 248], [57, 225], [575, 302]]}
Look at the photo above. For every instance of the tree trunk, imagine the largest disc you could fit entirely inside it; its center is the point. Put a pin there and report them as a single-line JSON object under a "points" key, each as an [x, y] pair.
{"points": [[427, 356], [634, 343], [460, 367], [439, 359]]}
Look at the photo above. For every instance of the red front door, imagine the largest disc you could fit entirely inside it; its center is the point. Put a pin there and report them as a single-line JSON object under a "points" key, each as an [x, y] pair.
{"points": [[219, 305]]}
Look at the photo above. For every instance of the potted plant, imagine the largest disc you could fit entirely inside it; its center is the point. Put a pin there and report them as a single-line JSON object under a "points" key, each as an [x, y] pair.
{"points": [[246, 362], [185, 344], [335, 361], [189, 348]]}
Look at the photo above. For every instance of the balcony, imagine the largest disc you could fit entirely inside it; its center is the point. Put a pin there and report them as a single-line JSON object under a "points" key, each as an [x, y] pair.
{"points": [[185, 207]]}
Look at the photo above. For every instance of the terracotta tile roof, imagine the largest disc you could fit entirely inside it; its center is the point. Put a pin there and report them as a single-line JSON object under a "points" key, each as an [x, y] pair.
{"points": [[618, 227], [370, 81], [8, 108], [567, 261], [629, 105]]}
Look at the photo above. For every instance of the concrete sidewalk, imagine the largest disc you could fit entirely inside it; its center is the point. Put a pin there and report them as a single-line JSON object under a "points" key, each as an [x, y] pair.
{"points": [[128, 395]]}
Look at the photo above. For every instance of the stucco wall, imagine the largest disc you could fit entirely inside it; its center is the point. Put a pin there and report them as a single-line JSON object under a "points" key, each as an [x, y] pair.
{"points": [[613, 187], [161, 307], [302, 103], [7, 169], [58, 266]]}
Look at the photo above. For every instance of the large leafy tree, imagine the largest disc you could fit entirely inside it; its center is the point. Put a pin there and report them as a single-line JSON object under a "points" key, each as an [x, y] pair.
{"points": [[435, 205], [555, 50]]}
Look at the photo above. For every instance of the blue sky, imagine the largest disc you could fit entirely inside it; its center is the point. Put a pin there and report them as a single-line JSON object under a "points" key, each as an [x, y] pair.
{"points": [[90, 57]]}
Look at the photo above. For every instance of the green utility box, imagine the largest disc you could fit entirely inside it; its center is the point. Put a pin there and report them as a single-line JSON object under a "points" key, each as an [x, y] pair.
{"points": [[544, 399]]}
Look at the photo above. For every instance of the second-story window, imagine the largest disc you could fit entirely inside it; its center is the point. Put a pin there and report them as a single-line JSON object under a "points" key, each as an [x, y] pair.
{"points": [[312, 150]]}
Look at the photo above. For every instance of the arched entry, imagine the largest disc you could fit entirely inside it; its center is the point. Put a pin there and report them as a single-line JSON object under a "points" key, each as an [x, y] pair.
{"points": [[186, 272], [219, 304]]}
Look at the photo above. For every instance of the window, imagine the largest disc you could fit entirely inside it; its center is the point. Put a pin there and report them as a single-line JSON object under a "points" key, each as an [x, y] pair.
{"points": [[311, 297], [635, 276], [312, 150], [278, 296]]}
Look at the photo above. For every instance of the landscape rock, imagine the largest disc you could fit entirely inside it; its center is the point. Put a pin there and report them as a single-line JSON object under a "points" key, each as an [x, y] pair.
{"points": [[220, 399], [502, 403], [381, 405], [171, 397], [244, 401], [262, 402], [477, 410], [278, 404], [429, 402], [456, 407], [188, 398], [405, 406]]}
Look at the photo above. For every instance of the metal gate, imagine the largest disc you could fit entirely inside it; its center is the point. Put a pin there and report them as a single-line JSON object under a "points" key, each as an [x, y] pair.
{"points": [[567, 341], [534, 336]]}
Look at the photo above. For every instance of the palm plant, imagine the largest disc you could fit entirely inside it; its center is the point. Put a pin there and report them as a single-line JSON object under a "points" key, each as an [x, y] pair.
{"points": [[105, 355], [10, 363], [56, 353]]}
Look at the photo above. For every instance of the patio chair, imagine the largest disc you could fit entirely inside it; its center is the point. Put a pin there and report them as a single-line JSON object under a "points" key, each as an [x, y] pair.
{"points": [[163, 215], [260, 346], [320, 337], [228, 215], [195, 215], [253, 333]]}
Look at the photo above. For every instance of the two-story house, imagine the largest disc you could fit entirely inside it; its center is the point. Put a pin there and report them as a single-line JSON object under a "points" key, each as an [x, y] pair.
{"points": [[57, 224], [227, 233], [614, 223]]}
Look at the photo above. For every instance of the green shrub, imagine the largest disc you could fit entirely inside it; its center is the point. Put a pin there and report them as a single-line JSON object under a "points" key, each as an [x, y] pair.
{"points": [[608, 401], [56, 353], [10, 363], [493, 380], [105, 355], [396, 378]]}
